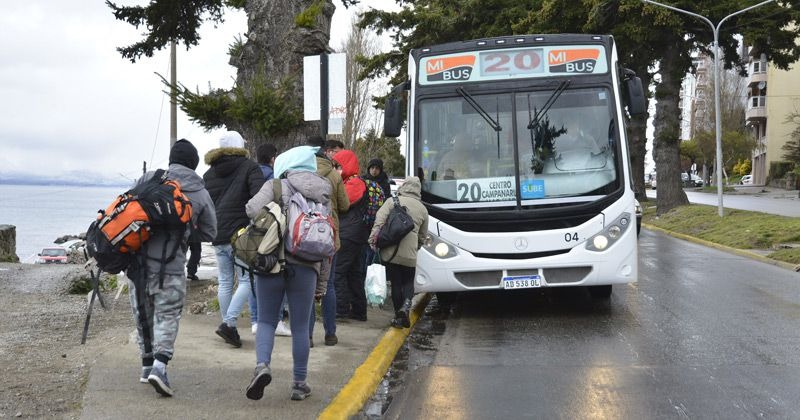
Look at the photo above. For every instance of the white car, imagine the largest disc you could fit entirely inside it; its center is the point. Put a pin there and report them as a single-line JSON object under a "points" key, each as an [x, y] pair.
{"points": [[747, 180]]}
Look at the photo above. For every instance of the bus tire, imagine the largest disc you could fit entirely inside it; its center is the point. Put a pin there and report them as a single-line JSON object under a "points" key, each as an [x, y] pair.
{"points": [[600, 292]]}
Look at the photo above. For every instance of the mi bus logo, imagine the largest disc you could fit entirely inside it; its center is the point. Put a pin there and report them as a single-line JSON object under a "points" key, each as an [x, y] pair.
{"points": [[573, 61], [449, 68]]}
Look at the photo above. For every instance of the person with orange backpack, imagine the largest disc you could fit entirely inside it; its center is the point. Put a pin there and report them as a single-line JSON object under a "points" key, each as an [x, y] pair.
{"points": [[159, 299]]}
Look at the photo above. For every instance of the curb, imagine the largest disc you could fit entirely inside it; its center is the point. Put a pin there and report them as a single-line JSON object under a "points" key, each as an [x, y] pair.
{"points": [[367, 376], [737, 251]]}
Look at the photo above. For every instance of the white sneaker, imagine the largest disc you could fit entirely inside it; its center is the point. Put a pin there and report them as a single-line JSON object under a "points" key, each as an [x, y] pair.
{"points": [[283, 330], [254, 328]]}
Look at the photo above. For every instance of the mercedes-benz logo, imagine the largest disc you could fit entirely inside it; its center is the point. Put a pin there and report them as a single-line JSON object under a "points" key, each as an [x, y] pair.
{"points": [[520, 243]]}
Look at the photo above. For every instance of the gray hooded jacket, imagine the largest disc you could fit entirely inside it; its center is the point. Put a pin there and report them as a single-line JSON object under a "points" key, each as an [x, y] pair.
{"points": [[410, 197], [312, 186], [204, 221]]}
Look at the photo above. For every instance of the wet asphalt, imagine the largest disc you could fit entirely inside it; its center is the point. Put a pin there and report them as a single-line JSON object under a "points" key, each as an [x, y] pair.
{"points": [[703, 334]]}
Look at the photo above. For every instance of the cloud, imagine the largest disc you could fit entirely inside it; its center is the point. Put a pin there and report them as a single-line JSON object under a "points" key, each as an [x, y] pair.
{"points": [[71, 102]]}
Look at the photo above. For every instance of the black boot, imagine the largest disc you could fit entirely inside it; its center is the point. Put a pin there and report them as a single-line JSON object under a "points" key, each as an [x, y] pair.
{"points": [[406, 321], [397, 321]]}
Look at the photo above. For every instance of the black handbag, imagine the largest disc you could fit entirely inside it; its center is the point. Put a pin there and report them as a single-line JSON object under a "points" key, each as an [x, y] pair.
{"points": [[398, 224]]}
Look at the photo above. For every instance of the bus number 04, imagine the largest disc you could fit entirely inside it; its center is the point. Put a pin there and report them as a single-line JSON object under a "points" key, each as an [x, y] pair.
{"points": [[571, 237], [474, 192]]}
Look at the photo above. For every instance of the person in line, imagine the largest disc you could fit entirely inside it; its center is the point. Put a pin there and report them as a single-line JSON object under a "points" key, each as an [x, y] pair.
{"points": [[339, 204], [232, 180], [332, 147], [195, 249], [165, 296], [401, 268], [376, 173], [351, 298], [296, 168], [265, 155]]}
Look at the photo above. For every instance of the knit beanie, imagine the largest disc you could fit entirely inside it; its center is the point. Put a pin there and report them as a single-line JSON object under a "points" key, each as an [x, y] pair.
{"points": [[184, 153]]}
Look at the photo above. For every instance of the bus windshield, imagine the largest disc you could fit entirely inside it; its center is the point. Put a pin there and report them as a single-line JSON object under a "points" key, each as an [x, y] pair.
{"points": [[564, 152]]}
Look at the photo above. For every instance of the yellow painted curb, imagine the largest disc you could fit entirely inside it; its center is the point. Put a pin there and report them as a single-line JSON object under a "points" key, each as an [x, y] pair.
{"points": [[367, 376], [737, 251]]}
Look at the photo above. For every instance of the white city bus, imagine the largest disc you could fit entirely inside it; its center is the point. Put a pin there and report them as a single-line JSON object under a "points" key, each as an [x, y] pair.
{"points": [[521, 147]]}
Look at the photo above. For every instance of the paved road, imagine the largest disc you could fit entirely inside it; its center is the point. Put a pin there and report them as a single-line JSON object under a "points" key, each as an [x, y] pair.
{"points": [[703, 334], [780, 202]]}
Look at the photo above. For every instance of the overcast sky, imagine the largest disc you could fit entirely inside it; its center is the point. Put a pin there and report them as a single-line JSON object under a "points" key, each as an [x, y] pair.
{"points": [[69, 101]]}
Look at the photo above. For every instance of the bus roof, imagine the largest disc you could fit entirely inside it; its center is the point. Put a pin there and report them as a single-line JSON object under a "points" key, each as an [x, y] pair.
{"points": [[512, 41]]}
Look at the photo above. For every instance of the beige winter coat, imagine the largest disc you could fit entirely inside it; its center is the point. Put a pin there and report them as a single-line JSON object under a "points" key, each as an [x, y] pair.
{"points": [[410, 197]]}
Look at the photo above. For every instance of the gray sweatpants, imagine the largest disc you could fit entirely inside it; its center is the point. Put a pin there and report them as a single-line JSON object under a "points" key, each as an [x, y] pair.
{"points": [[163, 306]]}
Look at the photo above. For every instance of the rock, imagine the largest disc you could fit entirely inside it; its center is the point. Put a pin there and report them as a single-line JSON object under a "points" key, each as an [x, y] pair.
{"points": [[66, 238], [8, 243], [19, 414]]}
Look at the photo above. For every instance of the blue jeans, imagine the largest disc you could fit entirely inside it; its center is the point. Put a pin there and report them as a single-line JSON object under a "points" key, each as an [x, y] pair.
{"points": [[328, 304], [298, 286], [230, 303]]}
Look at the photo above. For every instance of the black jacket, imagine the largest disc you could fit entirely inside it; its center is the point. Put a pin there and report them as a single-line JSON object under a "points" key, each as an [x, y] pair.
{"points": [[231, 181], [351, 224]]}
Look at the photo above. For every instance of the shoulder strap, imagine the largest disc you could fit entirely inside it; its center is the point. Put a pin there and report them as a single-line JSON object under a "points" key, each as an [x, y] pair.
{"points": [[277, 192], [160, 175]]}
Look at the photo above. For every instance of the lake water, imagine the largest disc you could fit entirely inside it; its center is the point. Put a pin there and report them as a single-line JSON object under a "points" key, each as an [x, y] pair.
{"points": [[44, 213]]}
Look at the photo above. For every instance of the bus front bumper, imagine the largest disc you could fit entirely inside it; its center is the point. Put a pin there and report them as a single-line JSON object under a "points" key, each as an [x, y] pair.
{"points": [[578, 267]]}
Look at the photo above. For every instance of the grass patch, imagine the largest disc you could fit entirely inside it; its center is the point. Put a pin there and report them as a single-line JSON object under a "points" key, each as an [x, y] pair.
{"points": [[738, 229], [213, 305]]}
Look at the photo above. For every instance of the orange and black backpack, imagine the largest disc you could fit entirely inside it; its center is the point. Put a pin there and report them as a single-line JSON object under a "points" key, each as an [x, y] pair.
{"points": [[122, 229]]}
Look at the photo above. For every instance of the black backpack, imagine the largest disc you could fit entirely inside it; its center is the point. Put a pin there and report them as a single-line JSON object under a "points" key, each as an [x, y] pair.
{"points": [[398, 224]]}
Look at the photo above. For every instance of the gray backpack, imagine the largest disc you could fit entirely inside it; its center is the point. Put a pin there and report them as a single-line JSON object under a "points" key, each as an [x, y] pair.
{"points": [[310, 234]]}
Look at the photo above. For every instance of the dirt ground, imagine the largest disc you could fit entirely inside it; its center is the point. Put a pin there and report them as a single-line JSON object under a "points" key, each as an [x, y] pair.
{"points": [[44, 367]]}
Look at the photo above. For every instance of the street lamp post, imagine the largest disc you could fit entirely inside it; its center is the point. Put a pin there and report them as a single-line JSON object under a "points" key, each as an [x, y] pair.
{"points": [[715, 30]]}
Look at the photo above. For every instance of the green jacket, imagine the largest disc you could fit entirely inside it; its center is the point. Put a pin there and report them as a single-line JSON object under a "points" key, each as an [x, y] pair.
{"points": [[339, 201], [410, 197]]}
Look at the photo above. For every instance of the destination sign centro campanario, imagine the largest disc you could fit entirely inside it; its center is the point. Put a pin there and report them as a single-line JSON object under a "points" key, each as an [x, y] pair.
{"points": [[513, 63]]}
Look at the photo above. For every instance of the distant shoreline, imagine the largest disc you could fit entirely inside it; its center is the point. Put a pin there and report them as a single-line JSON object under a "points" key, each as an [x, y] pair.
{"points": [[57, 183]]}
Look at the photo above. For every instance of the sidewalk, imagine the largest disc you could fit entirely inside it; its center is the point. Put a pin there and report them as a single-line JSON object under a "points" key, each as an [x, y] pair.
{"points": [[209, 376]]}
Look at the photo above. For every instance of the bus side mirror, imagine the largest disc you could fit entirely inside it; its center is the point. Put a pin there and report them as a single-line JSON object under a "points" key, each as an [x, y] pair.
{"points": [[636, 101], [392, 117]]}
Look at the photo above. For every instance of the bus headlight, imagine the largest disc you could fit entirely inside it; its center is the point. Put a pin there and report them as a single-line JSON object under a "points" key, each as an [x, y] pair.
{"points": [[600, 242], [438, 247], [610, 234]]}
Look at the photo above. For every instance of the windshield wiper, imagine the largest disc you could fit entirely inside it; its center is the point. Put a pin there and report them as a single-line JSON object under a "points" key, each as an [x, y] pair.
{"points": [[537, 161], [550, 101], [477, 107]]}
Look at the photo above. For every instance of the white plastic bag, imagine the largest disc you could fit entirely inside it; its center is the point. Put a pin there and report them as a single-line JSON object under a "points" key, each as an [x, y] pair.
{"points": [[375, 284]]}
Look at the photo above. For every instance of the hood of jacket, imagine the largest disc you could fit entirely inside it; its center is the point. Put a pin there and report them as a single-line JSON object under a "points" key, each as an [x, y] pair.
{"points": [[225, 160], [353, 185], [349, 162], [411, 188], [189, 179], [212, 155], [310, 185]]}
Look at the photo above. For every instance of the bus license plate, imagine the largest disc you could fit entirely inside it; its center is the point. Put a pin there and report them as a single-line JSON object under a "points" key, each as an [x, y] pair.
{"points": [[522, 282]]}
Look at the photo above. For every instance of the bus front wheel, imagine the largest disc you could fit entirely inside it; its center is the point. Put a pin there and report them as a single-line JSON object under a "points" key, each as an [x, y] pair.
{"points": [[600, 292]]}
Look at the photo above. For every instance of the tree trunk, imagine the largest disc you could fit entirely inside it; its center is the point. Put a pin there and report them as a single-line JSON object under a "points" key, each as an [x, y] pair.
{"points": [[637, 142], [666, 145], [276, 45]]}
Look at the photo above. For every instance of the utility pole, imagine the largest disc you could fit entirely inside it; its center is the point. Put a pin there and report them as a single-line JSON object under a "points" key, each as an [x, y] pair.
{"points": [[715, 30], [173, 100], [323, 96]]}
